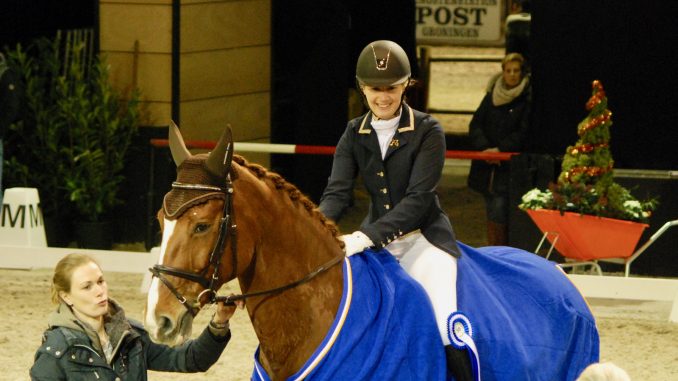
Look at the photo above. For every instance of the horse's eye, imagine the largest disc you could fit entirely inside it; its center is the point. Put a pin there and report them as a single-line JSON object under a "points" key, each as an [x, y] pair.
{"points": [[201, 228]]}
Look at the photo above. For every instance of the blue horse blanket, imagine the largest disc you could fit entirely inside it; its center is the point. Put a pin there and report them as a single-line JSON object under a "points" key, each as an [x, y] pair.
{"points": [[529, 322], [384, 329]]}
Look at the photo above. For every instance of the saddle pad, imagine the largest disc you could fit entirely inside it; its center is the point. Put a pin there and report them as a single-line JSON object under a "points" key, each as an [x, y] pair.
{"points": [[384, 329]]}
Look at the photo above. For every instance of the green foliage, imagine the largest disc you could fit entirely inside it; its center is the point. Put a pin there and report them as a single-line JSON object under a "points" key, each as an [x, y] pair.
{"points": [[71, 142], [586, 184], [584, 199], [33, 144]]}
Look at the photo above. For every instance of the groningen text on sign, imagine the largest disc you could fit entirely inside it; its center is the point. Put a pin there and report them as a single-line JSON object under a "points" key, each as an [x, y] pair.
{"points": [[458, 21]]}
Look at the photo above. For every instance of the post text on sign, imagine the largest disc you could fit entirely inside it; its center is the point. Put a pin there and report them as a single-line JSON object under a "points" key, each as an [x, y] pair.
{"points": [[451, 21]]}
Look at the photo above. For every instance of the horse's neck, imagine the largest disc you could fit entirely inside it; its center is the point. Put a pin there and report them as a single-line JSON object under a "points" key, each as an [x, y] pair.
{"points": [[290, 325]]}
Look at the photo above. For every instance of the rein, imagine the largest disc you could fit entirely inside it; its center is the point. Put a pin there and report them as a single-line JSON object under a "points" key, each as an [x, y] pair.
{"points": [[226, 226]]}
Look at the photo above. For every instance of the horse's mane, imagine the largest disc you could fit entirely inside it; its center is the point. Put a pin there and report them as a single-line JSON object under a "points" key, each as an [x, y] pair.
{"points": [[293, 193]]}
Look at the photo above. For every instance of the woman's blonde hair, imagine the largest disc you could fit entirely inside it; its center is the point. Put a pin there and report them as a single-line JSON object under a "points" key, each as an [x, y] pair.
{"points": [[63, 272], [517, 57]]}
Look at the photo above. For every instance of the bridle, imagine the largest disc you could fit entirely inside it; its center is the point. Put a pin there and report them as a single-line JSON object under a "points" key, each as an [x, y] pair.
{"points": [[227, 227]]}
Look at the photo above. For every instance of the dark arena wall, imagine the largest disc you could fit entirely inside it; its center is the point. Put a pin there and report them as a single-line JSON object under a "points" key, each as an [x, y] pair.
{"points": [[628, 45]]}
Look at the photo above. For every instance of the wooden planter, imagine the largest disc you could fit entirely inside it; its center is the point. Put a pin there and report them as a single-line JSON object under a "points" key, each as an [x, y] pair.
{"points": [[584, 237]]}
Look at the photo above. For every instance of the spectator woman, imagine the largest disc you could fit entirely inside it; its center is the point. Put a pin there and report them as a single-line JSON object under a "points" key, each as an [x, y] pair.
{"points": [[500, 124]]}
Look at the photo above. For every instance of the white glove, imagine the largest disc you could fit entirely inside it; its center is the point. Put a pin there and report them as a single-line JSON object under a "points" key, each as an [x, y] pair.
{"points": [[355, 242]]}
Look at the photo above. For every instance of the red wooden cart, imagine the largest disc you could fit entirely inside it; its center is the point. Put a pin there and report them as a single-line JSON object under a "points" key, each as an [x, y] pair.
{"points": [[585, 240]]}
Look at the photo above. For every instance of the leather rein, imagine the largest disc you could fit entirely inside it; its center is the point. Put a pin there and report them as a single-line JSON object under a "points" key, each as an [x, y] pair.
{"points": [[227, 228]]}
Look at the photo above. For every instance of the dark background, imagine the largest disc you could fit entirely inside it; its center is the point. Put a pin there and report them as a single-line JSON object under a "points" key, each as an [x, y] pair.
{"points": [[23, 20], [314, 48], [628, 46]]}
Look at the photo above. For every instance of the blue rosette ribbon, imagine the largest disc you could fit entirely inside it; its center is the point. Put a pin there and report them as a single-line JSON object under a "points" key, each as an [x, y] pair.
{"points": [[460, 333]]}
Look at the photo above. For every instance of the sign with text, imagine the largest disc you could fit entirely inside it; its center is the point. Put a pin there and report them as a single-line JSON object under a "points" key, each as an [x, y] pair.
{"points": [[21, 222], [459, 21]]}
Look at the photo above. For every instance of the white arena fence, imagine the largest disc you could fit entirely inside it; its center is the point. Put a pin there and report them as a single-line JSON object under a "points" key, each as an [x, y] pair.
{"points": [[591, 286]]}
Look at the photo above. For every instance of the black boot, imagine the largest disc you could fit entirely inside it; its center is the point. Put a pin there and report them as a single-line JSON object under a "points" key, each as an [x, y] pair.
{"points": [[458, 363]]}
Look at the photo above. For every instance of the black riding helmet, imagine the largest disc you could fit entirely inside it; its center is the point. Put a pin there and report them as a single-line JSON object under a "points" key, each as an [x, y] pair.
{"points": [[382, 63]]}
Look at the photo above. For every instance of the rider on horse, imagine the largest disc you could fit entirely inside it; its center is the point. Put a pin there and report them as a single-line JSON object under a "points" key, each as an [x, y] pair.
{"points": [[400, 153]]}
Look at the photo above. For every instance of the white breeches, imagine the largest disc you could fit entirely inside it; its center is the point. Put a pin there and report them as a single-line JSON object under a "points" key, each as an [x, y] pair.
{"points": [[434, 269]]}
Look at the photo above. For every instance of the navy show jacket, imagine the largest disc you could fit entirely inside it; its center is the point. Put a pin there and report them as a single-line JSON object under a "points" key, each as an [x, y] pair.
{"points": [[402, 186]]}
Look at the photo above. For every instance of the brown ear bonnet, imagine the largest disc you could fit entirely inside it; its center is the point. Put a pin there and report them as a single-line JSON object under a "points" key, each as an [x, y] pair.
{"points": [[191, 171], [206, 170]]}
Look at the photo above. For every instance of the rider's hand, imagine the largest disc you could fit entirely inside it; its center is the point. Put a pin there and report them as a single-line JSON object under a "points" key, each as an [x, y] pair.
{"points": [[355, 242]]}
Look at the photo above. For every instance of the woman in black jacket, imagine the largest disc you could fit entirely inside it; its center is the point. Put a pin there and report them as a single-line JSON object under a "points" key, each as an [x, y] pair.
{"points": [[399, 153], [500, 124], [89, 337]]}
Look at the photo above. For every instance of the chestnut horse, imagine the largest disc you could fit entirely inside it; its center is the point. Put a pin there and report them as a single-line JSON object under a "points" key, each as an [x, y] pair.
{"points": [[263, 205], [225, 218]]}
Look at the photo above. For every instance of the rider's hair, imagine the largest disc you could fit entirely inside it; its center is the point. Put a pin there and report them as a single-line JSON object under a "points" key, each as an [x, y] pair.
{"points": [[63, 272]]}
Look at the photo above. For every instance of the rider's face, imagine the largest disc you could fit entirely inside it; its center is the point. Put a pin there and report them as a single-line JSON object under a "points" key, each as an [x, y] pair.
{"points": [[384, 101]]}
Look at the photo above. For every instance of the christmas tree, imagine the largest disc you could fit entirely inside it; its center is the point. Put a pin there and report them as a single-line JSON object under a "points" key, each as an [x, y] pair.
{"points": [[585, 184]]}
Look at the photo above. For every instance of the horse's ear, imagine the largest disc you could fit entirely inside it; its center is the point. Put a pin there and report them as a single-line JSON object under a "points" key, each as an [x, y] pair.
{"points": [[177, 145], [219, 161]]}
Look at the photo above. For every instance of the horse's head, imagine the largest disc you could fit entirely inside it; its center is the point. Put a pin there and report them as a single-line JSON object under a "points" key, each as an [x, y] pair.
{"points": [[197, 226], [284, 254]]}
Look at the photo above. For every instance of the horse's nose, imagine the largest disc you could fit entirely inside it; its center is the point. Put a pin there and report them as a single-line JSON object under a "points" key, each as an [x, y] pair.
{"points": [[165, 326]]}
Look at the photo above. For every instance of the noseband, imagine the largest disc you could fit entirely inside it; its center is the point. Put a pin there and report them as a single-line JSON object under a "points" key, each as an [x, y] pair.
{"points": [[227, 227]]}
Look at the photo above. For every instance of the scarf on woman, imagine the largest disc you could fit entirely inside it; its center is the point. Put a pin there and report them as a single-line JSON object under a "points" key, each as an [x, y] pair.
{"points": [[502, 95]]}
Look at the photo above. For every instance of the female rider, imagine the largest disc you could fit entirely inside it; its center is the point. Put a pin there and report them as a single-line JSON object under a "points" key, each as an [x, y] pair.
{"points": [[399, 153]]}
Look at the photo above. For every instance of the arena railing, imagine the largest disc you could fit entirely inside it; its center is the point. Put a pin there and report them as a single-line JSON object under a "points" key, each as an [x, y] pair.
{"points": [[323, 150]]}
